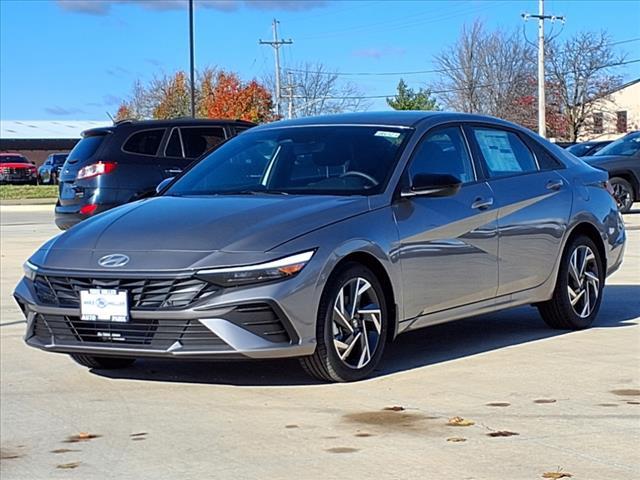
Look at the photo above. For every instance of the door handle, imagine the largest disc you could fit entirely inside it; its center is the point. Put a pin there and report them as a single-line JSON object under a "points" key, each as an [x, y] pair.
{"points": [[554, 184], [173, 170], [482, 204]]}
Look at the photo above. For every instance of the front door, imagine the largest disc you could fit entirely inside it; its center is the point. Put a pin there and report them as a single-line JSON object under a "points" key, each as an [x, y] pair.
{"points": [[447, 245]]}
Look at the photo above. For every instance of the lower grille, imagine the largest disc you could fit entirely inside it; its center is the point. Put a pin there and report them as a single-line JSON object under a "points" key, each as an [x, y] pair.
{"points": [[139, 333], [144, 294], [260, 319]]}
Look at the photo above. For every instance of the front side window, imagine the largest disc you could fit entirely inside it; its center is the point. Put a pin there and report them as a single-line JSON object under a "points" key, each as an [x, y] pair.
{"points": [[503, 152], [145, 142], [322, 160], [443, 152], [197, 140]]}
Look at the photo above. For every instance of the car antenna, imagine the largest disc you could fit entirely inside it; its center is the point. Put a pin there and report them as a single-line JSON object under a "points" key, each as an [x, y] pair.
{"points": [[111, 117]]}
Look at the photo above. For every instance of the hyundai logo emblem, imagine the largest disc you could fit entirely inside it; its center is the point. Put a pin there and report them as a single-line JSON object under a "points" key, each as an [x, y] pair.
{"points": [[114, 260]]}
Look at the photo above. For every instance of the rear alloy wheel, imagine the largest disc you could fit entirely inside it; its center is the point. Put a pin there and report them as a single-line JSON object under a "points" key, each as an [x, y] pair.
{"points": [[623, 193], [578, 293], [352, 327], [104, 363]]}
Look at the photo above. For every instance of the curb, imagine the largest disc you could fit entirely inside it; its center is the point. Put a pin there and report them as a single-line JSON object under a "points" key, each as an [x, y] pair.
{"points": [[29, 201]]}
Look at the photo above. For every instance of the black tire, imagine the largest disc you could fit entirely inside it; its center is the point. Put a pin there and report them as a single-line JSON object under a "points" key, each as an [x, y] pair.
{"points": [[325, 364], [104, 363], [558, 312], [623, 193]]}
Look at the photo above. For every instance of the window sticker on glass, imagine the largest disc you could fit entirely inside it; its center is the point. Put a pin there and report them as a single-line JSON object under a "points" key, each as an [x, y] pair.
{"points": [[386, 134], [497, 150]]}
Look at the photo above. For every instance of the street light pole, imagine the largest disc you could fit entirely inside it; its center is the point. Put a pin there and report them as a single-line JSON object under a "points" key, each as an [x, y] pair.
{"points": [[192, 61]]}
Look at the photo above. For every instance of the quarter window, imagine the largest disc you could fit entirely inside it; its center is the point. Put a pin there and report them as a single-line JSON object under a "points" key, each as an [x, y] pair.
{"points": [[504, 153], [443, 152], [145, 142]]}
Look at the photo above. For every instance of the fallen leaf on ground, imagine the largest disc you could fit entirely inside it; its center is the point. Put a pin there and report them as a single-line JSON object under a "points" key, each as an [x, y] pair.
{"points": [[8, 455], [139, 434], [138, 438], [556, 475], [545, 400], [456, 439], [502, 433], [633, 403], [460, 422], [68, 466], [81, 437], [64, 450], [498, 404], [291, 426], [395, 408]]}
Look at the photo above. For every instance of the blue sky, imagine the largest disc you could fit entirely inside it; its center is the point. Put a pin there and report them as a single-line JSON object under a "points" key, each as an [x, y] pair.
{"points": [[76, 59]]}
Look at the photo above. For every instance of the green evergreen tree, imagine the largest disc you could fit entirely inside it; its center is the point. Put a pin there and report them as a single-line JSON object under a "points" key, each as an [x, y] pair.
{"points": [[408, 99]]}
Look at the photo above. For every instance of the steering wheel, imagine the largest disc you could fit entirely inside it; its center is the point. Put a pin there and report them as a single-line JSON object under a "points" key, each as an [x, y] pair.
{"points": [[369, 178]]}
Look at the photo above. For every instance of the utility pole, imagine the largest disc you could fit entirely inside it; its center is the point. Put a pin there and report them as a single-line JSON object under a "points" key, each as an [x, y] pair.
{"points": [[276, 44], [192, 61], [290, 91], [542, 120]]}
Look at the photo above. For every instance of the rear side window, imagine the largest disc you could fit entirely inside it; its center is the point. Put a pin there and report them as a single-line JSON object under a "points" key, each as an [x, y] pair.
{"points": [[145, 142], [504, 153], [197, 140], [86, 147]]}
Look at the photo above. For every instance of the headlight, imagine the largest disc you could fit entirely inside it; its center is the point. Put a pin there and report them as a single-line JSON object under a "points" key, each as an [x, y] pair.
{"points": [[263, 272], [30, 270]]}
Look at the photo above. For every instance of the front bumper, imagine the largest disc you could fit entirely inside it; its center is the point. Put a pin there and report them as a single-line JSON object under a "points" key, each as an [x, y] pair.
{"points": [[240, 330]]}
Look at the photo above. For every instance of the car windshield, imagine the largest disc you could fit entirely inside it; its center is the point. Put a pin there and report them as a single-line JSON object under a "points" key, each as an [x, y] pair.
{"points": [[13, 159], [59, 159], [628, 145], [325, 160]]}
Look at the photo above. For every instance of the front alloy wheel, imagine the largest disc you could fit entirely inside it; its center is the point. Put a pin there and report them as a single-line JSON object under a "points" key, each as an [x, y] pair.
{"points": [[583, 285], [352, 326]]}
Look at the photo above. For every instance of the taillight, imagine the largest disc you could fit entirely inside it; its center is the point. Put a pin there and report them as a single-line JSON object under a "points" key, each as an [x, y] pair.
{"points": [[88, 209], [95, 169]]}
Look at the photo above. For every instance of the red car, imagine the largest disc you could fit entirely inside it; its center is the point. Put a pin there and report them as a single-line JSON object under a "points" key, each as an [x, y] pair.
{"points": [[15, 168]]}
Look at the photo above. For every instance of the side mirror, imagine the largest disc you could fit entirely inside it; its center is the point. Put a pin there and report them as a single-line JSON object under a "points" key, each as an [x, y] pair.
{"points": [[433, 185], [163, 184]]}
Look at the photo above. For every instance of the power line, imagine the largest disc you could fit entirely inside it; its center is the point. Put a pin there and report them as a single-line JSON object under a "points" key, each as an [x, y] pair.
{"points": [[451, 90]]}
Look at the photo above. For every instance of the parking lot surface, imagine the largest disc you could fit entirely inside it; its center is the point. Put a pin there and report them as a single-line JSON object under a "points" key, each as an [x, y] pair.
{"points": [[541, 401]]}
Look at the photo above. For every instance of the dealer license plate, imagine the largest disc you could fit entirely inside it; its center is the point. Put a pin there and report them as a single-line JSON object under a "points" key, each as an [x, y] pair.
{"points": [[104, 304]]}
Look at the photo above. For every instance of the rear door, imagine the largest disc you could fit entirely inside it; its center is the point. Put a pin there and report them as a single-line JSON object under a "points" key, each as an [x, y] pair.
{"points": [[533, 200]]}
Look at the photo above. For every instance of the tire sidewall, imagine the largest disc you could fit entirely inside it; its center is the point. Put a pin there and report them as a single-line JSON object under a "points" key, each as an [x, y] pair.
{"points": [[627, 186], [335, 283]]}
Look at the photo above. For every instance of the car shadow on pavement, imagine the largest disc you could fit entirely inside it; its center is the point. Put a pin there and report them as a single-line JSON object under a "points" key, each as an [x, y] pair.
{"points": [[428, 346]]}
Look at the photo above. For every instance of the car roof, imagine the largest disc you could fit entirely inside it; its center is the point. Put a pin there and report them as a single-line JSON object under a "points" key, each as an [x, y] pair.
{"points": [[393, 118], [174, 122]]}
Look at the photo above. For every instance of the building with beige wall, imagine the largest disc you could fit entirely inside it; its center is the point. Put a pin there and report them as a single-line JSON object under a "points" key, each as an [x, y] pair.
{"points": [[617, 115]]}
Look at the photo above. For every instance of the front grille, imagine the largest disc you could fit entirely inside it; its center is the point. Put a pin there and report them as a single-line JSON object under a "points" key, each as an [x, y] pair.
{"points": [[144, 294], [139, 333], [16, 172]]}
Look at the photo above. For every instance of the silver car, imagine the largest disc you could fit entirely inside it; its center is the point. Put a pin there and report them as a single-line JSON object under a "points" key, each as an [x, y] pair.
{"points": [[325, 238]]}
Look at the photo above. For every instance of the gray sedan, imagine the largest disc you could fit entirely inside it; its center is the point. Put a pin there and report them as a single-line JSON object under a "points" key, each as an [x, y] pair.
{"points": [[325, 238]]}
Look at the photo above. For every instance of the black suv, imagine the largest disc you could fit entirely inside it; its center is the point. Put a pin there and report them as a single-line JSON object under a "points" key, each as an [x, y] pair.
{"points": [[114, 165]]}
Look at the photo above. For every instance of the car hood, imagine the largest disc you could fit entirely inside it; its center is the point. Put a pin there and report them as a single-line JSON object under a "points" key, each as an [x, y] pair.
{"points": [[173, 233], [17, 165], [602, 159]]}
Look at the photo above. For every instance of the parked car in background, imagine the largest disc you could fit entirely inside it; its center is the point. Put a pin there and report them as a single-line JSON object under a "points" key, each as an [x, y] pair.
{"points": [[114, 165], [17, 169], [324, 238], [622, 160], [49, 171], [587, 148]]}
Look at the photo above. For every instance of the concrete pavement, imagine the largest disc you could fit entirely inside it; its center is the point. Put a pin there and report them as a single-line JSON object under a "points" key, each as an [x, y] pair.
{"points": [[573, 399]]}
